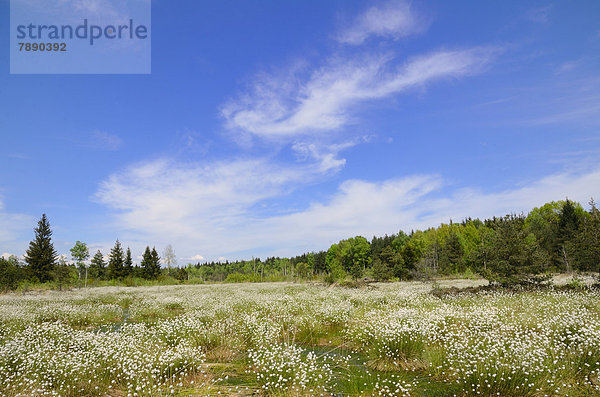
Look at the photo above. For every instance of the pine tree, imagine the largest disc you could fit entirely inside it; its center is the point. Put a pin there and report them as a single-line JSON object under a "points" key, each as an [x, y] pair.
{"points": [[115, 261], [515, 255], [41, 256], [587, 242], [155, 262], [391, 264], [150, 264], [97, 267], [568, 229], [128, 264], [452, 252], [147, 263], [381, 270]]}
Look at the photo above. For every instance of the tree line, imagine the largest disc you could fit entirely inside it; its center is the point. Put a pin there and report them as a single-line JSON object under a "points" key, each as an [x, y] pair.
{"points": [[559, 236], [42, 264]]}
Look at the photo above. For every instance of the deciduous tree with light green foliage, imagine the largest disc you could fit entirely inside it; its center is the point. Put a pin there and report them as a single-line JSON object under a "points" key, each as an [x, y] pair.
{"points": [[80, 254], [334, 264]]}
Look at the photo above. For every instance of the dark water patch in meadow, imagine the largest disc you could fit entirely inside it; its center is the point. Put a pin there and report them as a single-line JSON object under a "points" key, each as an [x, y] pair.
{"points": [[352, 375], [114, 327]]}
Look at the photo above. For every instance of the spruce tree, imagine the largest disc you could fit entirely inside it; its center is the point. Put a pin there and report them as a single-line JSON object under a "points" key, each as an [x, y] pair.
{"points": [[515, 255], [115, 261], [150, 264], [128, 264], [568, 228], [587, 242], [97, 267], [381, 270], [41, 255], [155, 262]]}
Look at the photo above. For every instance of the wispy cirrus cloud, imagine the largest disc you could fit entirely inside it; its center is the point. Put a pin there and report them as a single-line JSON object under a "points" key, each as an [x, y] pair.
{"points": [[308, 99], [326, 156], [571, 100], [391, 20], [324, 102]]}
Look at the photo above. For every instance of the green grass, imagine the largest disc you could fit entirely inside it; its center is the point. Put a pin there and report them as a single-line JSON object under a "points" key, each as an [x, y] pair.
{"points": [[297, 340]]}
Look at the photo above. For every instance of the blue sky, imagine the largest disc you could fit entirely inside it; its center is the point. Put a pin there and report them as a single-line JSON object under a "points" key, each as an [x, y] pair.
{"points": [[279, 127]]}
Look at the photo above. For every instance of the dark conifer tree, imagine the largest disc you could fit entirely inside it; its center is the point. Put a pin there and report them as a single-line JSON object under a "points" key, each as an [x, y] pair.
{"points": [[98, 267], [115, 261], [587, 242], [452, 253], [10, 273], [41, 255], [147, 263], [155, 262], [514, 254], [128, 264], [568, 228], [150, 264]]}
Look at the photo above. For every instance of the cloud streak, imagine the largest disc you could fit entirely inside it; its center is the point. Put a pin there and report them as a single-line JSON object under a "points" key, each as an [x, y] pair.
{"points": [[324, 102], [392, 20]]}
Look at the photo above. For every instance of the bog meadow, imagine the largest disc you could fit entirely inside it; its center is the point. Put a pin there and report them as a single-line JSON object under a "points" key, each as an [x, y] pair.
{"points": [[334, 198], [285, 339], [464, 309]]}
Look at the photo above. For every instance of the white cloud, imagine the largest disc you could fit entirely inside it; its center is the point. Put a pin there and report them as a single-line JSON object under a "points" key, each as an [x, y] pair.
{"points": [[12, 225], [358, 207], [416, 202], [219, 209], [196, 258], [326, 155], [194, 204], [6, 255], [394, 19], [279, 106]]}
